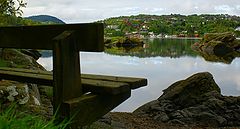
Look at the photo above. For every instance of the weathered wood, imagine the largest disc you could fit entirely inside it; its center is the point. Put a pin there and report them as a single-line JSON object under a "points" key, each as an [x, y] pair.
{"points": [[133, 82], [89, 85], [21, 76], [90, 82], [104, 87], [66, 70], [90, 107], [23, 71], [89, 37], [34, 76]]}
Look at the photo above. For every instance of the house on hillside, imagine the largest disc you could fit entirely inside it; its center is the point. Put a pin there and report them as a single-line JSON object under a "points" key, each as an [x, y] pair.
{"points": [[112, 26], [134, 35], [237, 29]]}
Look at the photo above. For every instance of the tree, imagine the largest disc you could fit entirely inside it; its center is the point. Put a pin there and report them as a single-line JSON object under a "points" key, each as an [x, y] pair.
{"points": [[11, 7]]}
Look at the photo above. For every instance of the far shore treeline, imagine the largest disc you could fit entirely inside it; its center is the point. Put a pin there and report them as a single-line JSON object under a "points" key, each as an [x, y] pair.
{"points": [[172, 25]]}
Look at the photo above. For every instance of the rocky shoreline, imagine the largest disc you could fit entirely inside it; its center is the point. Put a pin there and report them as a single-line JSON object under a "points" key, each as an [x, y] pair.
{"points": [[195, 102]]}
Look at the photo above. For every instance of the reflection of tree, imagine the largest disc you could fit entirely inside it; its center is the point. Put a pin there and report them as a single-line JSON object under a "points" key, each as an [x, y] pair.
{"points": [[170, 48], [227, 59], [158, 47]]}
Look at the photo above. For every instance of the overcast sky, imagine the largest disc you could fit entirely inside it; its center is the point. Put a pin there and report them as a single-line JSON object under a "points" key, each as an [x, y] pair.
{"points": [[77, 11]]}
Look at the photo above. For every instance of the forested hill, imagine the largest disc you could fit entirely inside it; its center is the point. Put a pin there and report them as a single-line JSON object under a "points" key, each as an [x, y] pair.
{"points": [[174, 24], [7, 20], [46, 18]]}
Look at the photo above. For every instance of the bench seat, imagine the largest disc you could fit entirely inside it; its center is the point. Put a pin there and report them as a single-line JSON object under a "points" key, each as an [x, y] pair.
{"points": [[83, 98], [100, 84]]}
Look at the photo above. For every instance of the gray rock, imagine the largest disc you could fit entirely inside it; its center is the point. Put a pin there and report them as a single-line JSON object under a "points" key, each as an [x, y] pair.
{"points": [[176, 121], [106, 119], [190, 91], [194, 101], [163, 117], [146, 107], [206, 118], [177, 114]]}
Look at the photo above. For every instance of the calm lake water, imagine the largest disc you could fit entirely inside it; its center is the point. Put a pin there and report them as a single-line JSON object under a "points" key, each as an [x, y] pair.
{"points": [[162, 62]]}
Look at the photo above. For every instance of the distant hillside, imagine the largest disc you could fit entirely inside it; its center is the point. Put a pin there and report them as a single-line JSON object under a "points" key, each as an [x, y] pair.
{"points": [[174, 25], [45, 18]]}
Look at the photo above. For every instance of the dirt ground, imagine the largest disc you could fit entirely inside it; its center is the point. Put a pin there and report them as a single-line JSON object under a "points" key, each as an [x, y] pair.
{"points": [[121, 120]]}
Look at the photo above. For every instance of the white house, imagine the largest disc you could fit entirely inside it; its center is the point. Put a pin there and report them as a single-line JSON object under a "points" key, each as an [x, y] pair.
{"points": [[238, 28]]}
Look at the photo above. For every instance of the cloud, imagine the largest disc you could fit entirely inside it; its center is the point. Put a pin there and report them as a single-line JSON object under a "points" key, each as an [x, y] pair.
{"points": [[224, 8], [156, 10], [238, 7], [92, 10], [128, 10], [34, 9], [196, 7]]}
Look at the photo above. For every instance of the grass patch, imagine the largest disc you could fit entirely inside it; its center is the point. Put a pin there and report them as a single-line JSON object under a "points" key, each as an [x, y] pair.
{"points": [[11, 119], [3, 63]]}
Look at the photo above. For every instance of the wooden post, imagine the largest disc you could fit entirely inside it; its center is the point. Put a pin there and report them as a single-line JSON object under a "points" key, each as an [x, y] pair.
{"points": [[66, 71], [90, 107]]}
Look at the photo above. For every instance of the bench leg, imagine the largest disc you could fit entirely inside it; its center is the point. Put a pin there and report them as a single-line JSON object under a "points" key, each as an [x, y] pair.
{"points": [[90, 107], [66, 71]]}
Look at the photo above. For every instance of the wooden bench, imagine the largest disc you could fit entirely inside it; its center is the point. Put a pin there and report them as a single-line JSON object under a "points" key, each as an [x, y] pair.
{"points": [[86, 97]]}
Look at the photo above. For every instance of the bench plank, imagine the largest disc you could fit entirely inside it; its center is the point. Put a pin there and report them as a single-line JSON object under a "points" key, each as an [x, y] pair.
{"points": [[132, 81], [99, 86], [91, 83], [89, 36]]}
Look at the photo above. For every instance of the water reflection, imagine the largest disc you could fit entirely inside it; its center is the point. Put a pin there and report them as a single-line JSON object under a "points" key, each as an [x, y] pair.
{"points": [[227, 59], [174, 48], [161, 71]]}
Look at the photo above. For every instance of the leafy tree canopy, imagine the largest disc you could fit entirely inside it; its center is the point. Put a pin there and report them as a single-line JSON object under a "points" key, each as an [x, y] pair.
{"points": [[11, 7]]}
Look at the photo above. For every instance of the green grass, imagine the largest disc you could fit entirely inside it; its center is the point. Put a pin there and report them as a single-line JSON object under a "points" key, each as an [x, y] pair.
{"points": [[3, 63], [11, 119]]}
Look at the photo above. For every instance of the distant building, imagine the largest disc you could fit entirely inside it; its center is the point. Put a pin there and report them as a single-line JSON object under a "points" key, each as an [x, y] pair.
{"points": [[112, 26], [134, 35], [237, 29]]}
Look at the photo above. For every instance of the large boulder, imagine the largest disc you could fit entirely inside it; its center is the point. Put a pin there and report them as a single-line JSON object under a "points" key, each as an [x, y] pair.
{"points": [[24, 94], [129, 42], [218, 47], [190, 91], [32, 52], [226, 37], [16, 58], [196, 100]]}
